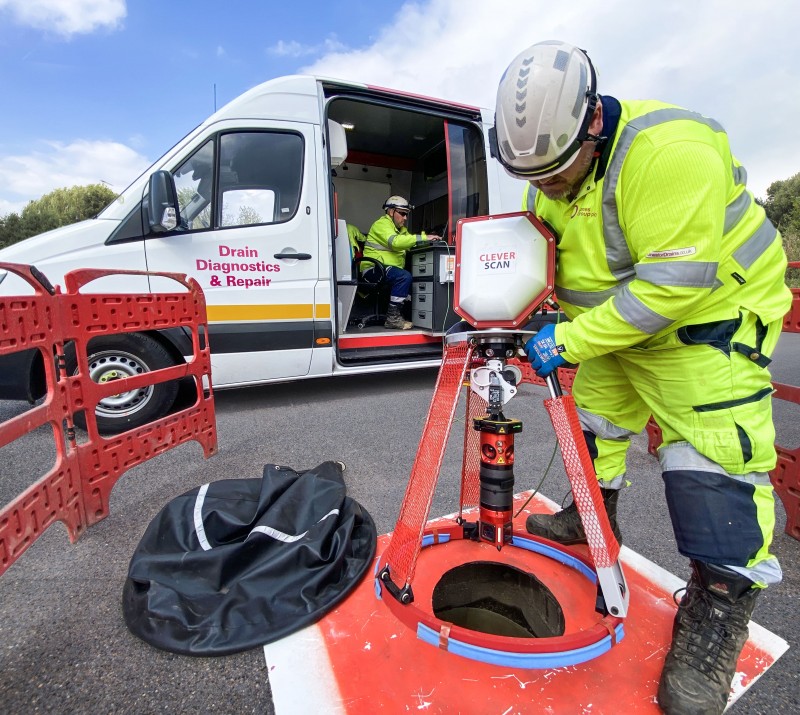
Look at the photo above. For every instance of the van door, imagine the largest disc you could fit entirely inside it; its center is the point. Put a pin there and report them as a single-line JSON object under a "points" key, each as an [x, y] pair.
{"points": [[249, 236]]}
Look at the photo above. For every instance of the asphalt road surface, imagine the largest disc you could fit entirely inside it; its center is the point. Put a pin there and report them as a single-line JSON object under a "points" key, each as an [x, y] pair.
{"points": [[64, 647]]}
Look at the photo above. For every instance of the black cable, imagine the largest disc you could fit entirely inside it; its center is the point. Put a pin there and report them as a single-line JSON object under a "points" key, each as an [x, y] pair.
{"points": [[541, 481]]}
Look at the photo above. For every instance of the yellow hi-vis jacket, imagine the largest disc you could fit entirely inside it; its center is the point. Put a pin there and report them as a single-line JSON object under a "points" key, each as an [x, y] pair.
{"points": [[356, 239], [668, 237], [388, 244]]}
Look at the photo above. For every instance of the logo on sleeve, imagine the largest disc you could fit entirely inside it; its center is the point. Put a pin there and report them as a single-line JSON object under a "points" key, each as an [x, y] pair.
{"points": [[674, 253]]}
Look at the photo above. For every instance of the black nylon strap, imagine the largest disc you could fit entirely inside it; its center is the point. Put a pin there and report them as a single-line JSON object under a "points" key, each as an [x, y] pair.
{"points": [[752, 354]]}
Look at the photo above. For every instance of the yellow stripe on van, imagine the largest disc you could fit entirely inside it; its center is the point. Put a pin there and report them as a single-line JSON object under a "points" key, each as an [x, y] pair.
{"points": [[298, 311]]}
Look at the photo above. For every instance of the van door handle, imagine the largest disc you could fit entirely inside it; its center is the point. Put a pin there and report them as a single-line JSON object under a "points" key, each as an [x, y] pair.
{"points": [[298, 256]]}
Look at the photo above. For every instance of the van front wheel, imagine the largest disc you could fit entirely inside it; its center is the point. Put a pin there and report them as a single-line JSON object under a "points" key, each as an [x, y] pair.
{"points": [[113, 357]]}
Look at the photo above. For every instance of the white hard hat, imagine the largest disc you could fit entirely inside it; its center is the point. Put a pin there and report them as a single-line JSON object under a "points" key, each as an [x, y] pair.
{"points": [[397, 202], [545, 102]]}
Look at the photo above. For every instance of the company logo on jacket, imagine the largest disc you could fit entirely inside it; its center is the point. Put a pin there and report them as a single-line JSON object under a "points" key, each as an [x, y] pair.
{"points": [[585, 212]]}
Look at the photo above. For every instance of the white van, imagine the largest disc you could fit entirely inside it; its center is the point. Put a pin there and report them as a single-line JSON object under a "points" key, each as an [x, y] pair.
{"points": [[262, 192]]}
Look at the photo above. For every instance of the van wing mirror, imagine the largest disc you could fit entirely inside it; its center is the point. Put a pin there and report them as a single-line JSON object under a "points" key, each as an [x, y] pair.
{"points": [[163, 211]]}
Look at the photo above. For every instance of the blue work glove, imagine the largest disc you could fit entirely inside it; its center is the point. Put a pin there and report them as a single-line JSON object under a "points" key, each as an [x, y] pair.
{"points": [[542, 351]]}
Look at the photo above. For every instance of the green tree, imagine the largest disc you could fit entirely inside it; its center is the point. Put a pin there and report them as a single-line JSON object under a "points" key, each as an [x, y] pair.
{"points": [[783, 204], [783, 208], [58, 208], [248, 216], [10, 229]]}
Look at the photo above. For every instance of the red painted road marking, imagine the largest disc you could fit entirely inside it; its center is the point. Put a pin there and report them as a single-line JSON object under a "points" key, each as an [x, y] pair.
{"points": [[361, 659]]}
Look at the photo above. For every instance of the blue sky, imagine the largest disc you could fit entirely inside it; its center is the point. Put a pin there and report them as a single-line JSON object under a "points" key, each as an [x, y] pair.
{"points": [[96, 90]]}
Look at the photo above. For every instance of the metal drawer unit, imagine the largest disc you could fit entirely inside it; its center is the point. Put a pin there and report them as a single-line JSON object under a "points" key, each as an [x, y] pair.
{"points": [[422, 304], [422, 263], [432, 289]]}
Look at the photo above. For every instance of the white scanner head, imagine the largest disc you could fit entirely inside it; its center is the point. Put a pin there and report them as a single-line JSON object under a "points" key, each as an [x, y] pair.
{"points": [[505, 269]]}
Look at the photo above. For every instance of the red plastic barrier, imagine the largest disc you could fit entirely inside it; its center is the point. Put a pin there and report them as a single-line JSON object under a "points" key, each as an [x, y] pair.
{"points": [[786, 475], [77, 488], [791, 323]]}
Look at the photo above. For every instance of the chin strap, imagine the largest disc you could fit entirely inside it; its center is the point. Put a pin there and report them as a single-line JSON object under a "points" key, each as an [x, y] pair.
{"points": [[600, 143]]}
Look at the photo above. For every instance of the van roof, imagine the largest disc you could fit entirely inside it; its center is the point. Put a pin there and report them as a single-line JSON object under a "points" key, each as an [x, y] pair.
{"points": [[295, 97]]}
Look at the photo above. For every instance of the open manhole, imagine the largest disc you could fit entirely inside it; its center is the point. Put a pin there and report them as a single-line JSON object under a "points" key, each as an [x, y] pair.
{"points": [[494, 598]]}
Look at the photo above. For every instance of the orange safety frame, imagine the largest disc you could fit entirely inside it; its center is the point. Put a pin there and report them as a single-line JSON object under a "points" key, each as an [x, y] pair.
{"points": [[397, 565], [76, 489]]}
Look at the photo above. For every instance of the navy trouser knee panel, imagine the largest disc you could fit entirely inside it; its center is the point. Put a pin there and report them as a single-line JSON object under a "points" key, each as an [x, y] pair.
{"points": [[400, 281], [714, 517]]}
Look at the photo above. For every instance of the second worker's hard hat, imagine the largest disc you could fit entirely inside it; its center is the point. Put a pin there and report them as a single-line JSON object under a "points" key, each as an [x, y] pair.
{"points": [[397, 202], [545, 102]]}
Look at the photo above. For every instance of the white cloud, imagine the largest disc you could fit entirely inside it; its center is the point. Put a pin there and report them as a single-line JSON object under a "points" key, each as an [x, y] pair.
{"points": [[57, 165], [296, 49], [67, 17], [694, 54]]}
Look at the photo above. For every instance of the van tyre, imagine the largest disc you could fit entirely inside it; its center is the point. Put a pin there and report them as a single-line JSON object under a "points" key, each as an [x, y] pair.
{"points": [[113, 357]]}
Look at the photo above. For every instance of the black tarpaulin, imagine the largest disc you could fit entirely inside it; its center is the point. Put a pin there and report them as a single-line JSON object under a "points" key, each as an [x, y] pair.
{"points": [[238, 563]]}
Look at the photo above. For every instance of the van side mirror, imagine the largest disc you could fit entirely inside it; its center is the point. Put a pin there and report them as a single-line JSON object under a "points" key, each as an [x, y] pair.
{"points": [[163, 212]]}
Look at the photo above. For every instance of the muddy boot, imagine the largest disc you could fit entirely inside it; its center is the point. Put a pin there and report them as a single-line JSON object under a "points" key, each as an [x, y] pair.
{"points": [[565, 527], [394, 319], [709, 632]]}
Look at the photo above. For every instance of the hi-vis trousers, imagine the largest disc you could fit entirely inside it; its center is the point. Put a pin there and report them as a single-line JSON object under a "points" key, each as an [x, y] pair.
{"points": [[708, 388]]}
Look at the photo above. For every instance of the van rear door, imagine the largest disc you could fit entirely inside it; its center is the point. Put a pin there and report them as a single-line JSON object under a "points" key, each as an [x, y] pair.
{"points": [[249, 235]]}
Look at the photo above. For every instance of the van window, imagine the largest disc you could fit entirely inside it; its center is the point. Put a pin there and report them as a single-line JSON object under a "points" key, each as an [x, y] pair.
{"points": [[259, 177], [469, 190], [241, 207], [194, 182]]}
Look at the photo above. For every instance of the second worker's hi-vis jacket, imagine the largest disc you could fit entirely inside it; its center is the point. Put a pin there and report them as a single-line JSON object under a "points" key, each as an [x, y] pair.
{"points": [[663, 233], [388, 244]]}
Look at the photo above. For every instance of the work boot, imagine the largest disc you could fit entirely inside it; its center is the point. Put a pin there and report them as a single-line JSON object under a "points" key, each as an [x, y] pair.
{"points": [[565, 527], [709, 632], [394, 319]]}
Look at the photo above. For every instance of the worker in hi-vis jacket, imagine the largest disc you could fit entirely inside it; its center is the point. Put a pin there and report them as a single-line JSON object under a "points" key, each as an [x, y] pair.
{"points": [[387, 242], [672, 280]]}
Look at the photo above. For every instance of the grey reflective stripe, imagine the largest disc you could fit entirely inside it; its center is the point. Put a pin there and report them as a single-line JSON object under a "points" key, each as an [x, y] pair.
{"points": [[681, 456], [767, 572], [759, 479], [586, 299], [618, 255], [531, 200], [739, 175], [199, 526], [376, 246], [282, 535], [735, 210], [637, 314], [601, 427], [390, 242], [752, 249], [615, 483], [678, 273]]}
